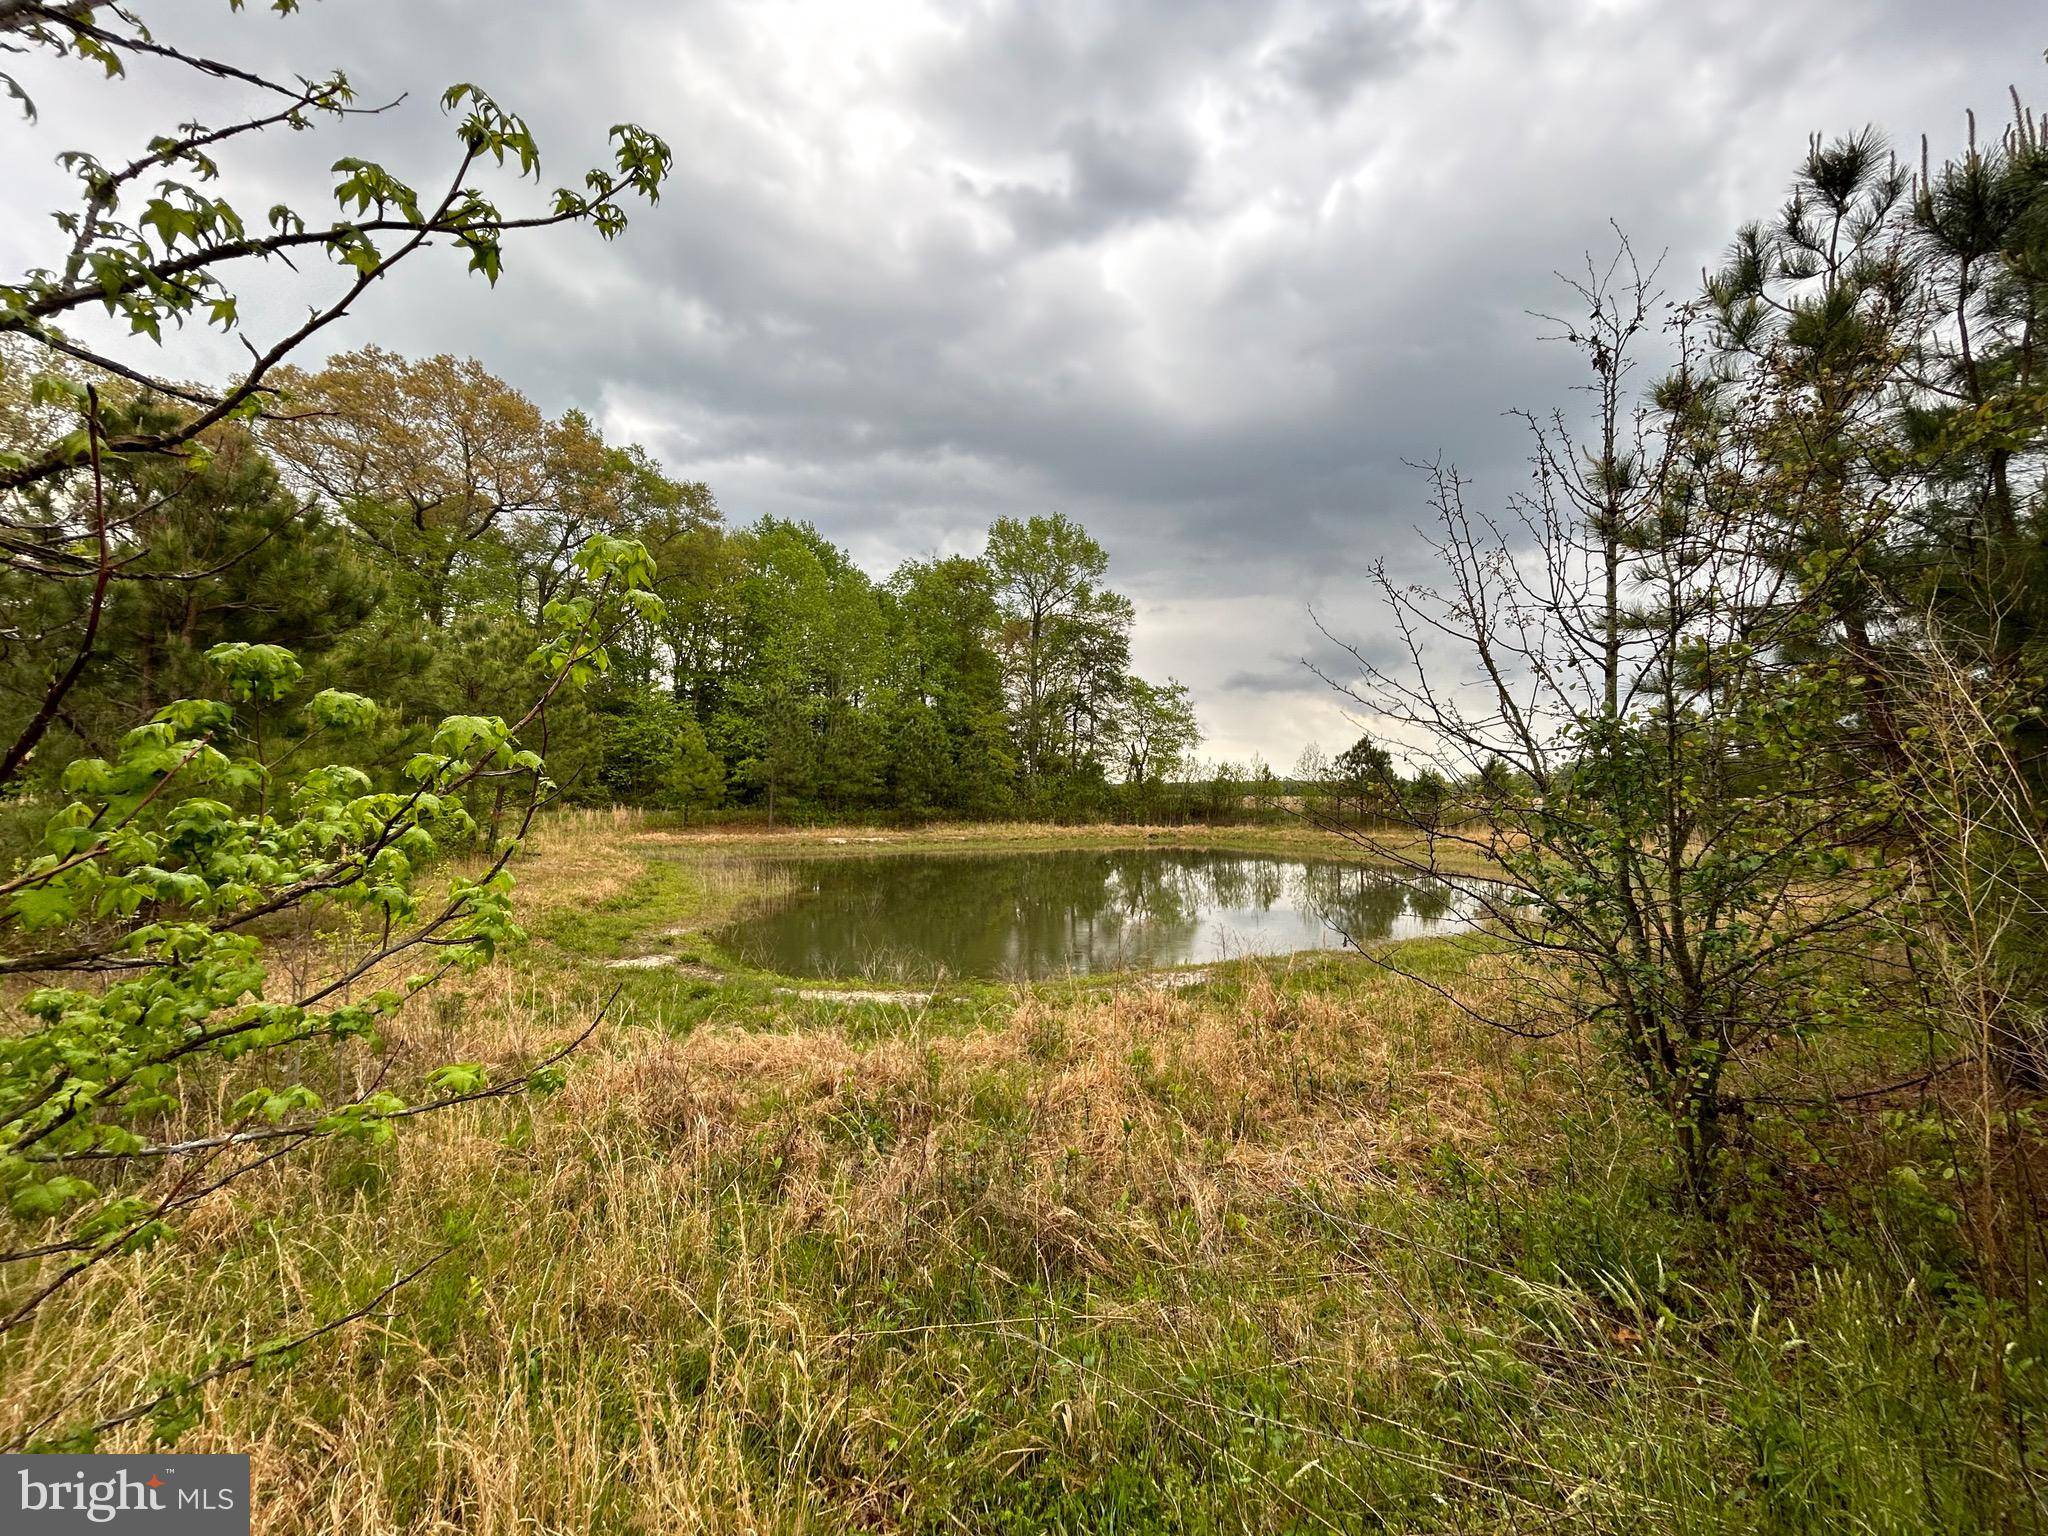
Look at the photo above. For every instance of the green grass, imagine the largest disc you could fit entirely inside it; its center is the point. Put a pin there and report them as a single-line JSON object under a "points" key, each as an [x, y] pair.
{"points": [[1293, 1249]]}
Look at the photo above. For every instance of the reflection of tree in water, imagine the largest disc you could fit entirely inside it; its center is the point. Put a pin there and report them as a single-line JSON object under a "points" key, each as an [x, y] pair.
{"points": [[1173, 886], [914, 916], [1368, 904], [1434, 900]]}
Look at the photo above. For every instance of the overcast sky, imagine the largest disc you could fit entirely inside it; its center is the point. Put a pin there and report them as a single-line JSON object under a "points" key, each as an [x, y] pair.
{"points": [[1199, 273]]}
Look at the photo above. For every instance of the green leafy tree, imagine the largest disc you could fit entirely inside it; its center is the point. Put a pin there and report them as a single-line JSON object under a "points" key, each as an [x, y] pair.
{"points": [[1365, 773], [468, 492], [921, 766], [1065, 646], [1156, 733], [800, 695], [945, 685], [652, 753], [985, 765], [696, 778]]}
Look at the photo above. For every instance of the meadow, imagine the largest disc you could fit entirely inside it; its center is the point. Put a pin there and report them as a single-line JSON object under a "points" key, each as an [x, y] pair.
{"points": [[1288, 1244]]}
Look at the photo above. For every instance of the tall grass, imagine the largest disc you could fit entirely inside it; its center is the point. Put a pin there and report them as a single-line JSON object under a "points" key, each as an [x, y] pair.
{"points": [[1291, 1249]]}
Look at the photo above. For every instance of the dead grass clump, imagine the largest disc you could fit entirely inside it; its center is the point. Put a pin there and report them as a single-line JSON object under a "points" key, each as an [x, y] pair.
{"points": [[577, 858]]}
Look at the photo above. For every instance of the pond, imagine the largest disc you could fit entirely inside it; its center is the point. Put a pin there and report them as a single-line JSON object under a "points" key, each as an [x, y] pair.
{"points": [[1034, 915]]}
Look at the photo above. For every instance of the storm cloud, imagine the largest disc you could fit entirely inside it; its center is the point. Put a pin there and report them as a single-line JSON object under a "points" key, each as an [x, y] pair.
{"points": [[1205, 276]]}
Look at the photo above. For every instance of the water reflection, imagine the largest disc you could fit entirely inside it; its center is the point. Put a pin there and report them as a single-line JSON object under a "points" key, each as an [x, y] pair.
{"points": [[905, 917]]}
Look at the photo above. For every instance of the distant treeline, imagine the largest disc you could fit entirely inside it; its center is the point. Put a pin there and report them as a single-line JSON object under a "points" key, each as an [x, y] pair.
{"points": [[403, 526]]}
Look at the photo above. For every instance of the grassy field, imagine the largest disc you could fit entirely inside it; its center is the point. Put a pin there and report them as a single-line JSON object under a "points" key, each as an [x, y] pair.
{"points": [[1293, 1248]]}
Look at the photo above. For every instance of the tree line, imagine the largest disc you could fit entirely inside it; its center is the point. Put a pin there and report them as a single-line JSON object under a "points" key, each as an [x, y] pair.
{"points": [[402, 526]]}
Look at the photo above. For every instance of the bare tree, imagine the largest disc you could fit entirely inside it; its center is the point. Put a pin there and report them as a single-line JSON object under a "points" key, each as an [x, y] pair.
{"points": [[1601, 680]]}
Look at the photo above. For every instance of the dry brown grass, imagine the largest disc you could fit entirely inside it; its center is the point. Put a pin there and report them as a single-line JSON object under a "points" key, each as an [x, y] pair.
{"points": [[1293, 1246], [1288, 837], [677, 1299]]}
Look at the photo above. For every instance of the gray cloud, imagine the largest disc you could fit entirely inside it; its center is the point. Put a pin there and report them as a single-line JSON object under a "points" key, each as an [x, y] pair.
{"points": [[1349, 50], [1202, 275], [1281, 679], [1114, 176]]}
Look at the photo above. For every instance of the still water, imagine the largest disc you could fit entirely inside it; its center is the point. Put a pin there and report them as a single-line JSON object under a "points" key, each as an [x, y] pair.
{"points": [[1028, 916]]}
